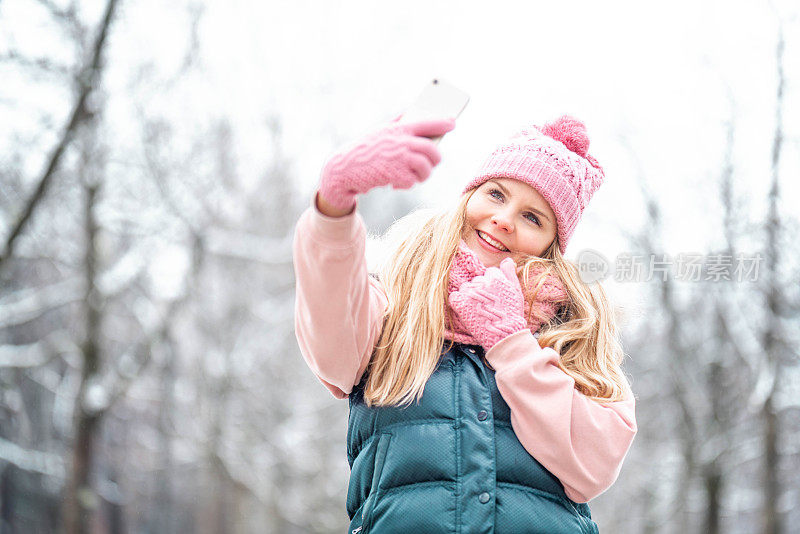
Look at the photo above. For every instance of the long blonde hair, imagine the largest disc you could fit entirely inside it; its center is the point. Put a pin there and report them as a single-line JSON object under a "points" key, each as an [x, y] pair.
{"points": [[415, 278]]}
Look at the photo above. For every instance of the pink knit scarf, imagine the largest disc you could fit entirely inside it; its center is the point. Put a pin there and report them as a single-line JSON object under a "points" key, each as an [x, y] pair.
{"points": [[550, 296]]}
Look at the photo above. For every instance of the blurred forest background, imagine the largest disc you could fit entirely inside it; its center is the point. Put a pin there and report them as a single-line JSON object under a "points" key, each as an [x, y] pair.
{"points": [[150, 381]]}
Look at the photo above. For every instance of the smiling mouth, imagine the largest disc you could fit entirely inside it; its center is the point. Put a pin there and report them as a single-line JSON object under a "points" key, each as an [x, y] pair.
{"points": [[486, 238]]}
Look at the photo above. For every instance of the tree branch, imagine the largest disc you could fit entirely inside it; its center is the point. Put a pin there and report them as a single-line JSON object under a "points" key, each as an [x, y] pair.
{"points": [[87, 80]]}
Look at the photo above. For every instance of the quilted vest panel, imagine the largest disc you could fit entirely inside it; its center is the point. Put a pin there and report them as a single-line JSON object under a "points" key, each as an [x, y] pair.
{"points": [[451, 463]]}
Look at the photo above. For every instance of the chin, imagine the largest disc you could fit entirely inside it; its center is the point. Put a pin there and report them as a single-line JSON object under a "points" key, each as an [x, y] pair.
{"points": [[488, 260], [495, 263]]}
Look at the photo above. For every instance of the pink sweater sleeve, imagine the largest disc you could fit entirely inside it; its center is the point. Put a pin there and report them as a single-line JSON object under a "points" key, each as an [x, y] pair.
{"points": [[338, 307], [578, 440]]}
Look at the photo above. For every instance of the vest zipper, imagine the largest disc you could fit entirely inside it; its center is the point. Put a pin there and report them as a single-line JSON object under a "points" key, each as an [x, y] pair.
{"points": [[457, 361]]}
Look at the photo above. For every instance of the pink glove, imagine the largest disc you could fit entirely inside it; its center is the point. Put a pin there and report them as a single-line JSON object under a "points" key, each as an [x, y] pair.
{"points": [[544, 303], [398, 155], [491, 306]]}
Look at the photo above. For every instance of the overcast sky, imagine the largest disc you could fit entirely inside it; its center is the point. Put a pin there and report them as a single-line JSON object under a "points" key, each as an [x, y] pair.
{"points": [[667, 78], [656, 86]]}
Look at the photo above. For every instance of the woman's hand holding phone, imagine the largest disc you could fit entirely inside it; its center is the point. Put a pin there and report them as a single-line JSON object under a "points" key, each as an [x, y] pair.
{"points": [[399, 155]]}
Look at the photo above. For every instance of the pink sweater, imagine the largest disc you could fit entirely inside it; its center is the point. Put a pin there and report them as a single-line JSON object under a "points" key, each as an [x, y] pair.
{"points": [[338, 316]]}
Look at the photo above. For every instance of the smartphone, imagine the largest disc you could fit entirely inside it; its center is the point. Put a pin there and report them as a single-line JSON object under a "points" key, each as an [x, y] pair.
{"points": [[439, 99]]}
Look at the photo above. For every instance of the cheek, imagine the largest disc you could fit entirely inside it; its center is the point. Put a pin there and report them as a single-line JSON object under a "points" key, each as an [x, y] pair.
{"points": [[535, 242], [476, 210], [471, 215]]}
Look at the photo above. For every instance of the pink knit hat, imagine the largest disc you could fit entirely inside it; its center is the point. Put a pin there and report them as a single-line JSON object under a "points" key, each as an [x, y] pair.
{"points": [[553, 159]]}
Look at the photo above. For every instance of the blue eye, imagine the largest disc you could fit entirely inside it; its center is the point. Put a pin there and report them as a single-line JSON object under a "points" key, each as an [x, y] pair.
{"points": [[493, 191], [533, 218]]}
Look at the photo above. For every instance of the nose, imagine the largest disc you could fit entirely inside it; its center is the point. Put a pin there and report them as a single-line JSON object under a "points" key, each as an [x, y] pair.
{"points": [[502, 221]]}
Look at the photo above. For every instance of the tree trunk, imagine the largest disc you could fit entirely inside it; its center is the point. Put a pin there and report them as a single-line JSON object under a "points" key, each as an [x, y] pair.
{"points": [[771, 485], [80, 500], [712, 482], [771, 336], [165, 503]]}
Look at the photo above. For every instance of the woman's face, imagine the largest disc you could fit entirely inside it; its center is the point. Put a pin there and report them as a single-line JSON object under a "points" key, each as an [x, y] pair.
{"points": [[508, 218]]}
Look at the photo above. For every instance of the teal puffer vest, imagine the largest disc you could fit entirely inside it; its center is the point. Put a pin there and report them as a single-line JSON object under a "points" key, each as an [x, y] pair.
{"points": [[451, 463]]}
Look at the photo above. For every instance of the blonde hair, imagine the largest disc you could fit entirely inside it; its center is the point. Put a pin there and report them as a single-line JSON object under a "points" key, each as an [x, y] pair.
{"points": [[415, 278]]}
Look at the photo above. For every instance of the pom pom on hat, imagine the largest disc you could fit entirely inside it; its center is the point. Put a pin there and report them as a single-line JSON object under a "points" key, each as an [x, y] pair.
{"points": [[569, 131]]}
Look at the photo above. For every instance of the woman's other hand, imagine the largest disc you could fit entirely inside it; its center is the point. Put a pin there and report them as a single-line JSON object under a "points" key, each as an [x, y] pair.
{"points": [[491, 306]]}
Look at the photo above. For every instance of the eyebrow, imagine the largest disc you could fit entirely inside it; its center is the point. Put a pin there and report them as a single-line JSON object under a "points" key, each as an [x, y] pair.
{"points": [[504, 190]]}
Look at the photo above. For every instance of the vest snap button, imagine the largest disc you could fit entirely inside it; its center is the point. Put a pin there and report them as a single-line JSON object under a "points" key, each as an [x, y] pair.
{"points": [[482, 415], [484, 497]]}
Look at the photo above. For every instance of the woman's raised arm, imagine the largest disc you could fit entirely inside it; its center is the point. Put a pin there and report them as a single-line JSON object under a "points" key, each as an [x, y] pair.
{"points": [[338, 307]]}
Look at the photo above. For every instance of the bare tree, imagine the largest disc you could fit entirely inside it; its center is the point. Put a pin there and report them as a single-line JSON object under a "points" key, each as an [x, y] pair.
{"points": [[773, 341], [87, 80], [719, 388]]}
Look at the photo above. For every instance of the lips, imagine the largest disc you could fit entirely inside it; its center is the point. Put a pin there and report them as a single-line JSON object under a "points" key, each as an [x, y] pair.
{"points": [[490, 243]]}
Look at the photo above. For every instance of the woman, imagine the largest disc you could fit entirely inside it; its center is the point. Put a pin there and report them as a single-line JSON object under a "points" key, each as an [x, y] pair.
{"points": [[461, 420]]}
